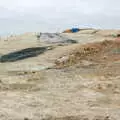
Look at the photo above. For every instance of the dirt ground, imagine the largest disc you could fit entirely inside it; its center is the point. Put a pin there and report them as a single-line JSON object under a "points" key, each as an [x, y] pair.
{"points": [[85, 87]]}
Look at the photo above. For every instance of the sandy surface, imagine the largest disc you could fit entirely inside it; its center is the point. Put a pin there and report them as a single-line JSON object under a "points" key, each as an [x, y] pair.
{"points": [[83, 91]]}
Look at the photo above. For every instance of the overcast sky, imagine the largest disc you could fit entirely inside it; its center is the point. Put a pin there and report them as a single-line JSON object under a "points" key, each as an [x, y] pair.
{"points": [[56, 15]]}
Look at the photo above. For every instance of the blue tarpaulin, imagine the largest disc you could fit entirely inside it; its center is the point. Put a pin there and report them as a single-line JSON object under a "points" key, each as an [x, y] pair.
{"points": [[75, 30]]}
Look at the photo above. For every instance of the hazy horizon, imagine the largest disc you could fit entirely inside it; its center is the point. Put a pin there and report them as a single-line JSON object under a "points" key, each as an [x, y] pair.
{"points": [[54, 16]]}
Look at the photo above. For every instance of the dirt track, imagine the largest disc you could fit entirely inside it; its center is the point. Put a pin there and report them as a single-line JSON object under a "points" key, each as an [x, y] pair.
{"points": [[86, 90]]}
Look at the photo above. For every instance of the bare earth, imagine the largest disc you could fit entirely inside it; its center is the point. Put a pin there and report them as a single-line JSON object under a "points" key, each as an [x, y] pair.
{"points": [[37, 88]]}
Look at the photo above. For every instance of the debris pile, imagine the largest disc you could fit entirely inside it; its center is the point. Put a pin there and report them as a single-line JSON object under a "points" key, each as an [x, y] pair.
{"points": [[54, 38], [98, 52]]}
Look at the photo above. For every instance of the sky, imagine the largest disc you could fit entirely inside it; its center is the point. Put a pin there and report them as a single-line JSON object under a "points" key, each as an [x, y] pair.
{"points": [[18, 16]]}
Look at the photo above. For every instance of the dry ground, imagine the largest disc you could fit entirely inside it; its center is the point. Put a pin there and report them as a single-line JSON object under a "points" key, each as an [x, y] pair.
{"points": [[88, 88]]}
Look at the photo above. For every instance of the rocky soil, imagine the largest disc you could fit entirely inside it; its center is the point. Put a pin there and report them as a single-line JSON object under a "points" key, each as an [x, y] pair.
{"points": [[78, 81]]}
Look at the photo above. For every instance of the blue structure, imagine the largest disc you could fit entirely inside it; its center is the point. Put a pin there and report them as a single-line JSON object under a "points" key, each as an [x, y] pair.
{"points": [[74, 30]]}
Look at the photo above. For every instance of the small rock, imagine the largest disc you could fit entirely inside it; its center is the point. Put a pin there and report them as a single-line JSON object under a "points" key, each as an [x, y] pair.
{"points": [[26, 119], [63, 59], [86, 63]]}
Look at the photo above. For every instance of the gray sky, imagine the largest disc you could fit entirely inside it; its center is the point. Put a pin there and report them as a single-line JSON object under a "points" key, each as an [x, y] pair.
{"points": [[56, 15]]}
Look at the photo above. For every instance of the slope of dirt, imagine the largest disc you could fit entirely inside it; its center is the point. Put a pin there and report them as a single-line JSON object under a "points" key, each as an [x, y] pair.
{"points": [[99, 52], [85, 87]]}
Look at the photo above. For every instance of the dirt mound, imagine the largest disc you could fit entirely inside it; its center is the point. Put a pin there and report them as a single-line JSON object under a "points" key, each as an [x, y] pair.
{"points": [[112, 33], [106, 51], [88, 31]]}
